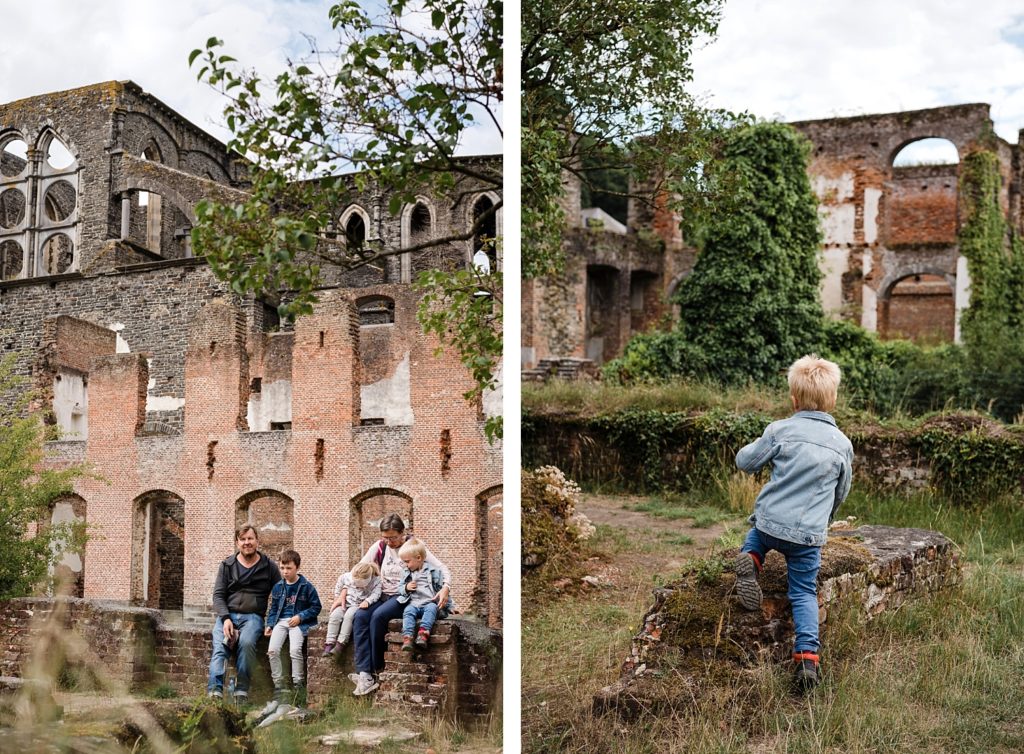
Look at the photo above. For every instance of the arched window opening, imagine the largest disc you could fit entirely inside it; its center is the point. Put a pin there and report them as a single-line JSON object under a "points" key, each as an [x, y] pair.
{"points": [[923, 152], [920, 308], [11, 260], [366, 511], [355, 231], [13, 157], [486, 235], [58, 156], [376, 310], [272, 513]]}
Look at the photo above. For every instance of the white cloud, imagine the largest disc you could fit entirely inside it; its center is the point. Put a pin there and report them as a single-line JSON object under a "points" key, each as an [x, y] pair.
{"points": [[53, 45], [804, 59]]}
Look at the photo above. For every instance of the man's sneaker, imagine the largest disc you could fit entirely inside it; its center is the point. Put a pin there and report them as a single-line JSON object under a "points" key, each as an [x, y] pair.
{"points": [[422, 639], [328, 648], [407, 644], [241, 698], [215, 694], [807, 674], [365, 687], [747, 588], [354, 677]]}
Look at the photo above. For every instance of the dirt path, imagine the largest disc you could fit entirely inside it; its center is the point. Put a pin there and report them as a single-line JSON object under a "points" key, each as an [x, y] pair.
{"points": [[672, 542]]}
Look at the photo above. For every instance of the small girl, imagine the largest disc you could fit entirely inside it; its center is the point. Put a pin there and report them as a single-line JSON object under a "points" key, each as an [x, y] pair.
{"points": [[357, 589]]}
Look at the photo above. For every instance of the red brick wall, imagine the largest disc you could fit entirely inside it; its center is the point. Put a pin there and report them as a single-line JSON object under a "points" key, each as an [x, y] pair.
{"points": [[920, 206], [214, 467]]}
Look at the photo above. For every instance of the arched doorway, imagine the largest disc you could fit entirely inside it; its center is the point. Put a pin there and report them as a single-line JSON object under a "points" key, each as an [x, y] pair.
{"points": [[919, 307], [158, 550], [365, 513], [490, 517], [68, 573], [272, 513]]}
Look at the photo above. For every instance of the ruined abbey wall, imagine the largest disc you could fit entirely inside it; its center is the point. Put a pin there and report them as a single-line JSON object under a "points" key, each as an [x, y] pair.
{"points": [[198, 410], [889, 257]]}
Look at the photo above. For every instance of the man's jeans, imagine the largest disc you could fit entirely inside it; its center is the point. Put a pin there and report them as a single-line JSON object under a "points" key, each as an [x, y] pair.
{"points": [[250, 629], [802, 564], [427, 612]]}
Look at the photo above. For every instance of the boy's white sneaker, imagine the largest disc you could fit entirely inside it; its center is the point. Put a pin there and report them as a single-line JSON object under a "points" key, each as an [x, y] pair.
{"points": [[364, 687]]}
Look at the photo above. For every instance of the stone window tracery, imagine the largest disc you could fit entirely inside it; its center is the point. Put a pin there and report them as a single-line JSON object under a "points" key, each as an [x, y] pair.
{"points": [[485, 238], [38, 236]]}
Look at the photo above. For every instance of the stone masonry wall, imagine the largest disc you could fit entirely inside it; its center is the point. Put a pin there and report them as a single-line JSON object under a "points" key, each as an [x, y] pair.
{"points": [[873, 568], [457, 677]]}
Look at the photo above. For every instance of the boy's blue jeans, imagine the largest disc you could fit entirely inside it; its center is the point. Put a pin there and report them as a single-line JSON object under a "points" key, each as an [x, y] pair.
{"points": [[427, 613], [250, 629], [802, 564]]}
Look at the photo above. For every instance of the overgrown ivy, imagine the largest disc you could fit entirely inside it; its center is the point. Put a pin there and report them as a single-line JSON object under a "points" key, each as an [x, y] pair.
{"points": [[751, 306], [971, 459], [993, 324]]}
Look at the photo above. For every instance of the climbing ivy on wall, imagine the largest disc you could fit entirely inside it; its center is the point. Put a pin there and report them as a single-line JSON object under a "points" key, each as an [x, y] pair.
{"points": [[751, 306], [993, 324]]}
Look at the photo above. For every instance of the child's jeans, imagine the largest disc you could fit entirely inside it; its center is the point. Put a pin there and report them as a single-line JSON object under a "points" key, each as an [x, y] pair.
{"points": [[427, 612], [339, 627], [802, 564], [296, 641]]}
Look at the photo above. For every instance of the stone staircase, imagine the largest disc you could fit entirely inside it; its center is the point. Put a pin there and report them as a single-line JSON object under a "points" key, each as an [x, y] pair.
{"points": [[562, 368]]}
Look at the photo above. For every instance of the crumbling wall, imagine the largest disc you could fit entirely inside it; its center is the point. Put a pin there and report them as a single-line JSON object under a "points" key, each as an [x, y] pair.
{"points": [[697, 619]]}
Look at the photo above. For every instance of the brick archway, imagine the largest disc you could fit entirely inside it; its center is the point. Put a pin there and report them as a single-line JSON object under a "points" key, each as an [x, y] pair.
{"points": [[68, 572], [490, 518], [158, 550], [272, 513], [365, 513]]}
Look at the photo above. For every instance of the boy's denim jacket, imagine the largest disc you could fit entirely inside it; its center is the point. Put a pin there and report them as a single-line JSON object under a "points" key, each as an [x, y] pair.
{"points": [[436, 580], [812, 466], [307, 604]]}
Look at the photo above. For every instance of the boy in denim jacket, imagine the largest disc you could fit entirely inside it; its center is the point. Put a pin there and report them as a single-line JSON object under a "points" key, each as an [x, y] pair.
{"points": [[294, 607], [811, 464], [419, 591]]}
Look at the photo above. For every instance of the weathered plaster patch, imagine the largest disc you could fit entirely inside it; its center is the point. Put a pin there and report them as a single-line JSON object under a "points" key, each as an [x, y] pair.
{"points": [[389, 399]]}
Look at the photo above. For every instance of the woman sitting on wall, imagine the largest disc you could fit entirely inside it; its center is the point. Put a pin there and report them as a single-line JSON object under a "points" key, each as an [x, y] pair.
{"points": [[371, 624]]}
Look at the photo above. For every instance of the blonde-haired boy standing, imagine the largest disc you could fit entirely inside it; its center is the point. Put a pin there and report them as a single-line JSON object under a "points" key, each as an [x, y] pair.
{"points": [[811, 468]]}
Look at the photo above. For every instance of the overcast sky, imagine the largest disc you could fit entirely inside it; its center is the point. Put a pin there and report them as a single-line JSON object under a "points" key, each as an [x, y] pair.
{"points": [[52, 45], [804, 59]]}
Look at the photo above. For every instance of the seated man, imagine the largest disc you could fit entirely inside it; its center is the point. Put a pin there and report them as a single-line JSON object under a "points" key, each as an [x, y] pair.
{"points": [[240, 595]]}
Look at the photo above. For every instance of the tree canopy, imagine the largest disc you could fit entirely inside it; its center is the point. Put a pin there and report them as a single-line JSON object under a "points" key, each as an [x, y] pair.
{"points": [[389, 100], [605, 88], [27, 490], [751, 305]]}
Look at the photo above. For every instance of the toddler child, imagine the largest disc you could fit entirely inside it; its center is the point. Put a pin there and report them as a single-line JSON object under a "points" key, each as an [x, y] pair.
{"points": [[811, 467], [294, 606], [359, 588], [419, 586]]}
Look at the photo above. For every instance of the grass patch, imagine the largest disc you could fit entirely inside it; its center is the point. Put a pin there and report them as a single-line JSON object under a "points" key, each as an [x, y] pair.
{"points": [[701, 517], [938, 675]]}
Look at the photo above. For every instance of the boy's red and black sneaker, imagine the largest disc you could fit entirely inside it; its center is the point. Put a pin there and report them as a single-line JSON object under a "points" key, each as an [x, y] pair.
{"points": [[407, 644], [422, 639], [747, 588], [808, 672]]}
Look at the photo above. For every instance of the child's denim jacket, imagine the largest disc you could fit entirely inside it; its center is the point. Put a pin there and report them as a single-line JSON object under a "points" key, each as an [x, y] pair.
{"points": [[812, 466], [436, 580], [307, 604]]}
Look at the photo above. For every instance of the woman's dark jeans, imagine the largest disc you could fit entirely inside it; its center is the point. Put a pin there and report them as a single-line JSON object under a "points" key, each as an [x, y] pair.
{"points": [[369, 630]]}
